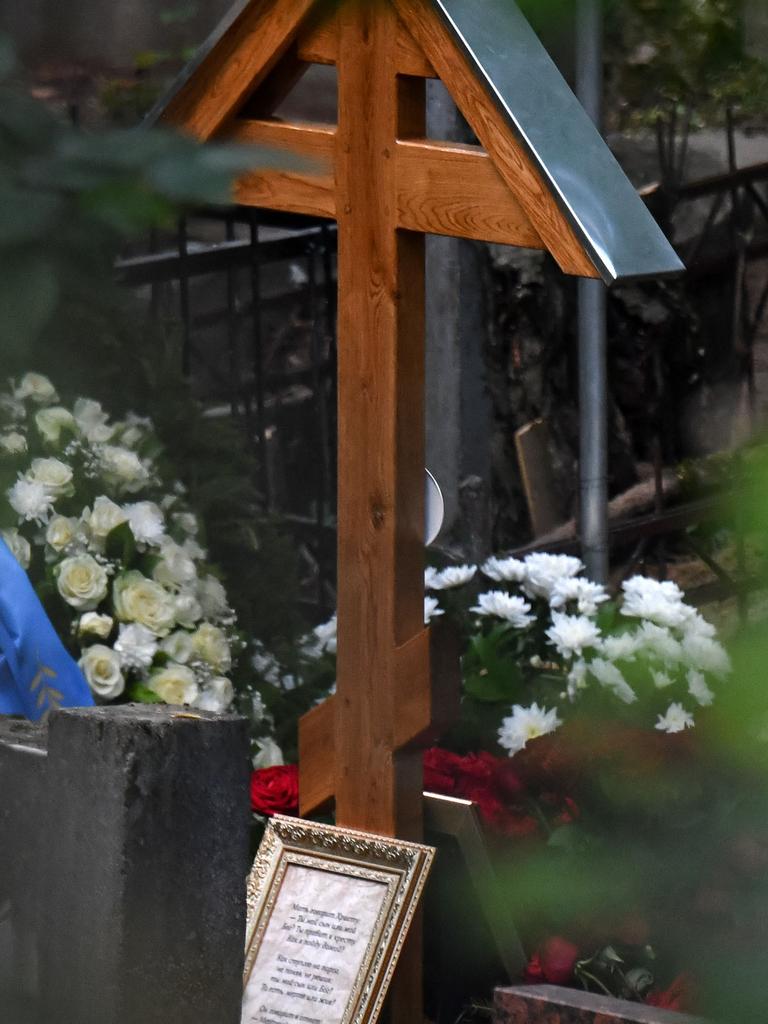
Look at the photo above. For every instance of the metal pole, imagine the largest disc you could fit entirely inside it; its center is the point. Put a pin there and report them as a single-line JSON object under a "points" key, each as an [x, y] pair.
{"points": [[593, 392]]}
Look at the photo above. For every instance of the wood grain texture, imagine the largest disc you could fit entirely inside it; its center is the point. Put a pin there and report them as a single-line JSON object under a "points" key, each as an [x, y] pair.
{"points": [[511, 161], [310, 191], [319, 44], [445, 188], [245, 55]]}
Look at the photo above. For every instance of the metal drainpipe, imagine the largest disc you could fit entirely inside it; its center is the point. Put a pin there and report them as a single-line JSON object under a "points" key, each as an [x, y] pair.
{"points": [[593, 392]]}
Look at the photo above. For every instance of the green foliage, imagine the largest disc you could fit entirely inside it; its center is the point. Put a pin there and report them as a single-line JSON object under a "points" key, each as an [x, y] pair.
{"points": [[683, 55]]}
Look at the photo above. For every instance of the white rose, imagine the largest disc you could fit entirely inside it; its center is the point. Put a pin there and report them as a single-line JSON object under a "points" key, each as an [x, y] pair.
{"points": [[92, 421], [138, 599], [13, 443], [123, 468], [36, 387], [268, 754], [187, 522], [61, 532], [188, 610], [217, 695], [18, 545], [51, 421], [101, 668], [93, 624], [175, 568], [212, 597], [54, 475], [178, 646], [210, 645], [176, 684], [103, 518], [82, 582]]}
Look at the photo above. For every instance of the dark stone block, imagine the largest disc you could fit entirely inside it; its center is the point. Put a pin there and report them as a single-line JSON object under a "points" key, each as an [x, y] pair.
{"points": [[551, 1004], [143, 876]]}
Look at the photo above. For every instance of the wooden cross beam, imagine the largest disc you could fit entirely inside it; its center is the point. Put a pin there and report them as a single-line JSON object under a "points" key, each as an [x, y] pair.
{"points": [[387, 185]]}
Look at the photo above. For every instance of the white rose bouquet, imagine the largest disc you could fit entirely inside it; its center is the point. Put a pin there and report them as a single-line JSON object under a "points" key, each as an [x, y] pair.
{"points": [[114, 555]]}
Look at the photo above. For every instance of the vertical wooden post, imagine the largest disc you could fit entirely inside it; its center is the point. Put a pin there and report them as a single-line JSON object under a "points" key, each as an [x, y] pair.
{"points": [[381, 450], [381, 424]]}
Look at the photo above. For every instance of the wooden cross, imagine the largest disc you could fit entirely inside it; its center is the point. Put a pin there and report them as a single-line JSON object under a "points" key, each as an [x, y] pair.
{"points": [[387, 185]]}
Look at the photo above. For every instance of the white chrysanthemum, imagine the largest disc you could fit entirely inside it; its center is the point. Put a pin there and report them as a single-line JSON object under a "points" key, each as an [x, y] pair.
{"points": [[576, 678], [452, 576], [91, 421], [146, 522], [178, 646], [175, 568], [176, 684], [675, 720], [656, 600], [50, 423], [322, 639], [18, 546], [698, 689], [37, 388], [705, 654], [212, 597], [659, 643], [543, 571], [13, 443], [265, 663], [54, 475], [187, 609], [81, 581], [431, 609], [268, 754], [30, 501], [585, 593], [606, 673], [501, 605], [526, 724], [216, 696], [696, 625], [101, 668], [210, 645], [503, 570], [619, 647], [193, 550], [572, 634], [136, 645], [661, 680], [122, 468], [93, 624], [138, 599], [102, 519]]}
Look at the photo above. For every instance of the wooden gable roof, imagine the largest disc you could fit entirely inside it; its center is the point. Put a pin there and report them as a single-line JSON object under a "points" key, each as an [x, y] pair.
{"points": [[542, 177]]}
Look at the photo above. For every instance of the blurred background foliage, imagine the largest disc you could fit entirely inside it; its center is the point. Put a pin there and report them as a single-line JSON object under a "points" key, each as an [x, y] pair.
{"points": [[69, 202]]}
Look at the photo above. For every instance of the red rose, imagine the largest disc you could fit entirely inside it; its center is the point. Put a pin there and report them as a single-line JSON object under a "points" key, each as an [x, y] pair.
{"points": [[275, 790], [679, 995], [553, 962], [440, 770]]}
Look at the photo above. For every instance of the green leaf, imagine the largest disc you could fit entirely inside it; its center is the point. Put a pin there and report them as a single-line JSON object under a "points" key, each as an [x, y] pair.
{"points": [[29, 292], [121, 545], [143, 695]]}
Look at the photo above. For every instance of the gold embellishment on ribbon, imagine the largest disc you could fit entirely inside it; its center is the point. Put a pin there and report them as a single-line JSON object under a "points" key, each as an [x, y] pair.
{"points": [[47, 693]]}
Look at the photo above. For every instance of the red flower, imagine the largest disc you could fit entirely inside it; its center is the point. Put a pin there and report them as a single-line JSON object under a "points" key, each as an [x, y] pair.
{"points": [[679, 995], [441, 768], [275, 790], [553, 962]]}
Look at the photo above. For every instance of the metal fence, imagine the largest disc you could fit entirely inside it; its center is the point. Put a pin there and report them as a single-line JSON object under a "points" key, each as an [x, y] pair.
{"points": [[253, 295]]}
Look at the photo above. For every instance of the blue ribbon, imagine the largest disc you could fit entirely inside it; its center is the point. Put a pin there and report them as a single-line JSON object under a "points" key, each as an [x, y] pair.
{"points": [[36, 672]]}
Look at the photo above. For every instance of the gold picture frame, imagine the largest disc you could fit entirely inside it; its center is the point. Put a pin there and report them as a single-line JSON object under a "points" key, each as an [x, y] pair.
{"points": [[328, 911]]}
